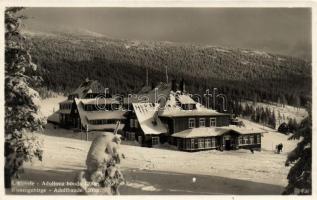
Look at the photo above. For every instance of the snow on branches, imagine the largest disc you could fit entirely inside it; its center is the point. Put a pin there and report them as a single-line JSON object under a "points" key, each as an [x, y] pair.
{"points": [[22, 116]]}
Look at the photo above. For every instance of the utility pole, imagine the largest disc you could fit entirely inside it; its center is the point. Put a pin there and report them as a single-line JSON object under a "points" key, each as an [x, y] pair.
{"points": [[147, 77], [106, 92], [166, 74], [214, 98], [87, 132]]}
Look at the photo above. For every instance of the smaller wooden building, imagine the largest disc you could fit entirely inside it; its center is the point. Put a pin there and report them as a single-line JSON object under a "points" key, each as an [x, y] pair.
{"points": [[221, 138]]}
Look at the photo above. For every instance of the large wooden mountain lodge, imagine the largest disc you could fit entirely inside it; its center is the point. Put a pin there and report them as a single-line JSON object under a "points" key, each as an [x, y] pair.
{"points": [[91, 107], [155, 116]]}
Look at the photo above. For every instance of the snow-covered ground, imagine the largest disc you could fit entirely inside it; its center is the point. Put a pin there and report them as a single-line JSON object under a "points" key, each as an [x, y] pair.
{"points": [[50, 105], [65, 151]]}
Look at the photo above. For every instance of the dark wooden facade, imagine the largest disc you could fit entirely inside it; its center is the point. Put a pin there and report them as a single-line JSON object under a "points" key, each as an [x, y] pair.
{"points": [[228, 141], [133, 131], [177, 124]]}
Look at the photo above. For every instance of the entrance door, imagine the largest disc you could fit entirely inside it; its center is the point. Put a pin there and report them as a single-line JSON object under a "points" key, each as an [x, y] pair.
{"points": [[227, 144], [178, 143], [140, 140]]}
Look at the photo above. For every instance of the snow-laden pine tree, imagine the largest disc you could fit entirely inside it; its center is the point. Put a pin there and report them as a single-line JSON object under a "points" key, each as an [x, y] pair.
{"points": [[103, 175], [299, 176], [22, 116]]}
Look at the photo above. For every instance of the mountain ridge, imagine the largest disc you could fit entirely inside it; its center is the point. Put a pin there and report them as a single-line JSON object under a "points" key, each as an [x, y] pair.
{"points": [[202, 66]]}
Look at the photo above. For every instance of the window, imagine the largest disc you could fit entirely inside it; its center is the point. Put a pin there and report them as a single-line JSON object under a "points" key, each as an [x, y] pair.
{"points": [[192, 143], [241, 141], [155, 141], [202, 122], [187, 144], [245, 140], [212, 122], [115, 106], [131, 136], [131, 123], [207, 143], [178, 141], [191, 122], [251, 138], [258, 139], [200, 143], [89, 107], [136, 123], [213, 142]]}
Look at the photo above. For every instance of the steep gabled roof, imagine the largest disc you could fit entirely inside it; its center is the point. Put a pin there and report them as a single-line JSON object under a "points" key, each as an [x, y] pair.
{"points": [[95, 115], [159, 94], [171, 109], [67, 101], [145, 113], [185, 99], [88, 86], [100, 101]]}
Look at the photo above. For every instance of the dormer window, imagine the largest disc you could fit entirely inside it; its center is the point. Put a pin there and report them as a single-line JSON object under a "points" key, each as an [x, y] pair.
{"points": [[202, 122], [213, 121], [191, 123], [188, 106]]}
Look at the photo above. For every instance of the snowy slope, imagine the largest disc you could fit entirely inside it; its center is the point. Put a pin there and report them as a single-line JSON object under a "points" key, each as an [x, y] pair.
{"points": [[65, 151], [62, 153]]}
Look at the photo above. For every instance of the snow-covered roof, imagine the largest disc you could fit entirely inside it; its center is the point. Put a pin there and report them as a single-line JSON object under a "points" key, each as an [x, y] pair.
{"points": [[185, 99], [200, 132], [148, 95], [171, 109], [54, 118], [100, 101], [85, 116], [188, 113], [243, 130], [88, 86], [96, 115], [159, 93], [131, 99], [149, 123], [67, 101], [65, 111], [214, 131], [105, 127]]}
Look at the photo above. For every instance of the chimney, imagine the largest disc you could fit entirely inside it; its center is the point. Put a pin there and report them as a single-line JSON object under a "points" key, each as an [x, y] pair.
{"points": [[147, 77], [106, 92], [174, 86], [182, 85]]}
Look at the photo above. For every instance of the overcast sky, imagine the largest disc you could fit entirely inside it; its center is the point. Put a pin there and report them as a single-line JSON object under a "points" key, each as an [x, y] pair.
{"points": [[278, 30]]}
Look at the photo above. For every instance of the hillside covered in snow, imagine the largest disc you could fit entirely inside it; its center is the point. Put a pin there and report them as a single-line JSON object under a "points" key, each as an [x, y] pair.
{"points": [[164, 170], [66, 59]]}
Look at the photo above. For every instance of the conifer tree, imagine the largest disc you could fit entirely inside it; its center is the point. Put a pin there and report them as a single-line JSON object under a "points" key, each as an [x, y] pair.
{"points": [[299, 176], [21, 101]]}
